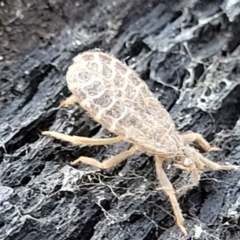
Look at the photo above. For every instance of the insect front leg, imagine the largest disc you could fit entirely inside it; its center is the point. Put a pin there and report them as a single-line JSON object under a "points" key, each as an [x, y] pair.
{"points": [[82, 140], [218, 167], [168, 188], [191, 137], [111, 162]]}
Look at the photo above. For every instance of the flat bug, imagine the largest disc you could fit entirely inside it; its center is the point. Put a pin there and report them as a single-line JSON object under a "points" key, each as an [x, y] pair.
{"points": [[117, 98]]}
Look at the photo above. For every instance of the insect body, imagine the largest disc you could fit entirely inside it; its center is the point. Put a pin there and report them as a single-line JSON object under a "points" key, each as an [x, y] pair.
{"points": [[117, 98]]}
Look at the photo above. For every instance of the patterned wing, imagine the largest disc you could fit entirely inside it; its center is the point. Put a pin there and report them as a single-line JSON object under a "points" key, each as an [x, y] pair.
{"points": [[117, 98]]}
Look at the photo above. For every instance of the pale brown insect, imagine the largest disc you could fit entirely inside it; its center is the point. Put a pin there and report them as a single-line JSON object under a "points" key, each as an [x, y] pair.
{"points": [[117, 98]]}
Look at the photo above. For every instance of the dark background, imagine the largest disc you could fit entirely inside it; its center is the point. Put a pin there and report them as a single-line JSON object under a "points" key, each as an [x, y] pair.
{"points": [[188, 54]]}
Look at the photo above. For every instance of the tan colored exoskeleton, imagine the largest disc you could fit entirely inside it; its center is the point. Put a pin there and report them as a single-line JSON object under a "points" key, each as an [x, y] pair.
{"points": [[117, 98]]}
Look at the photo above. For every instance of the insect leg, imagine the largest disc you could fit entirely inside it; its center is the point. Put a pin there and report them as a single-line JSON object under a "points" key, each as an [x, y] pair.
{"points": [[191, 137], [70, 100], [82, 140], [111, 162], [168, 188], [218, 167]]}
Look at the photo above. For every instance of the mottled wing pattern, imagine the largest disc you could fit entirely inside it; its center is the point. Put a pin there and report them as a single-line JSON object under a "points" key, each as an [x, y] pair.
{"points": [[116, 97]]}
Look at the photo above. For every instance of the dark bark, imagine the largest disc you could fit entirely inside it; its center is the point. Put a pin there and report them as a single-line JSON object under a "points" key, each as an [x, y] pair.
{"points": [[188, 53]]}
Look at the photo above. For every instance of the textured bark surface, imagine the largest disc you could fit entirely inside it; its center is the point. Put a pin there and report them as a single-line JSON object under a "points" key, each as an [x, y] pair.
{"points": [[189, 55]]}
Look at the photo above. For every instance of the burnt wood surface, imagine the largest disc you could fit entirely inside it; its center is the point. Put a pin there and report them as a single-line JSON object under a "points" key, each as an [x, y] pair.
{"points": [[189, 55]]}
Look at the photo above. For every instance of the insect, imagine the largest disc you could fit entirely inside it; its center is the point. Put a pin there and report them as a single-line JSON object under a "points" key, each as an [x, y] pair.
{"points": [[115, 96]]}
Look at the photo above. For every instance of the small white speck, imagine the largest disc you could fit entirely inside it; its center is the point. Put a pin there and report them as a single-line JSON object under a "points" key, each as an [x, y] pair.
{"points": [[78, 42], [198, 232], [19, 14], [5, 193], [26, 72], [233, 213], [1, 58]]}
